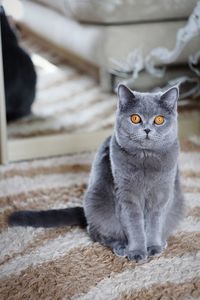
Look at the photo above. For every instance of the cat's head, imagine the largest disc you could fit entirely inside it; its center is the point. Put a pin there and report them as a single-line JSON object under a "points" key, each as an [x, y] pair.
{"points": [[146, 120], [8, 35]]}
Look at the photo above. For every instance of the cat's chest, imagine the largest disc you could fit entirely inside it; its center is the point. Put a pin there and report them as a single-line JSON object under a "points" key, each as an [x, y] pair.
{"points": [[145, 173], [142, 163], [143, 170]]}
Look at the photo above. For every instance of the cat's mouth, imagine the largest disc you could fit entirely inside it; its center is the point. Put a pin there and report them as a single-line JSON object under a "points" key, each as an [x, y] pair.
{"points": [[146, 142]]}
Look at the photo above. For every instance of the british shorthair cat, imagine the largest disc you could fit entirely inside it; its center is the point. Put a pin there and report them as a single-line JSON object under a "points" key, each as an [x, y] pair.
{"points": [[133, 201]]}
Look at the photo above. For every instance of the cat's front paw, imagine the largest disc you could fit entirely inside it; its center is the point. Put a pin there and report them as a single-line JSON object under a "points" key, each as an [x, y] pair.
{"points": [[154, 250], [136, 255]]}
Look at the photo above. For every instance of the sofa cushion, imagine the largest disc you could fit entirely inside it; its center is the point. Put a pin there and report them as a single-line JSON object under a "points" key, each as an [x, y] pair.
{"points": [[61, 6], [82, 40], [98, 44], [122, 11]]}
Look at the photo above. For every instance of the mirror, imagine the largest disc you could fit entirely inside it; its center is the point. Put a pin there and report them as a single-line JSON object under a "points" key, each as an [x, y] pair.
{"points": [[63, 59], [54, 103]]}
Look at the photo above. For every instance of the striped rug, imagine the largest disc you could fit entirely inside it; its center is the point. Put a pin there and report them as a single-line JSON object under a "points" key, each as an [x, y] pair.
{"points": [[65, 264], [67, 100]]}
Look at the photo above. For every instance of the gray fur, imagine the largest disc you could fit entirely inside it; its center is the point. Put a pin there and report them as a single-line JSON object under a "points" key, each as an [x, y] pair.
{"points": [[134, 201]]}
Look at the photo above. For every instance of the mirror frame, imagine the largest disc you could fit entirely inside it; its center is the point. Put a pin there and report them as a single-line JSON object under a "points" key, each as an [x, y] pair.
{"points": [[3, 127]]}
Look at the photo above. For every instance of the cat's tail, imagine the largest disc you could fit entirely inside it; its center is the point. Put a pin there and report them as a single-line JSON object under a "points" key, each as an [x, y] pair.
{"points": [[49, 218]]}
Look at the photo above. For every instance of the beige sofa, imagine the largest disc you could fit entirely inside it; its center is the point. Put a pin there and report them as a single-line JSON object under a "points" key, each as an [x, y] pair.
{"points": [[97, 32]]}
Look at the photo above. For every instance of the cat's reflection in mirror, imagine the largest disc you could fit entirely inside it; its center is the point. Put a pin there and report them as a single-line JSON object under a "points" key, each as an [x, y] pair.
{"points": [[19, 73]]}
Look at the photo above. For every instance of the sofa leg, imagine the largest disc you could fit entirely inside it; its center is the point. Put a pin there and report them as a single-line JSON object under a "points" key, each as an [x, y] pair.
{"points": [[105, 80]]}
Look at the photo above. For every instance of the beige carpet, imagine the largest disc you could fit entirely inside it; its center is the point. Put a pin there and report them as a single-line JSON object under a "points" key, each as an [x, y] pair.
{"points": [[67, 100], [65, 264]]}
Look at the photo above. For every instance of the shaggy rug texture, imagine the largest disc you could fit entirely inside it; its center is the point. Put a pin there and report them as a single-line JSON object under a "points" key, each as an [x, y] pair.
{"points": [[65, 264]]}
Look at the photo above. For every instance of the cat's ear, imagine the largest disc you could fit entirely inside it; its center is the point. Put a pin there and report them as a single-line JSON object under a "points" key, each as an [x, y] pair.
{"points": [[170, 97], [2, 11], [125, 95]]}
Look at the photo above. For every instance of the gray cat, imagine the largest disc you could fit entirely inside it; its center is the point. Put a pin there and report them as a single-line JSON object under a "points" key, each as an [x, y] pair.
{"points": [[133, 200]]}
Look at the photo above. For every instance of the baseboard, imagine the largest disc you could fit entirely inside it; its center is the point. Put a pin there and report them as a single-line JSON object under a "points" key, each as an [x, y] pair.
{"points": [[51, 145]]}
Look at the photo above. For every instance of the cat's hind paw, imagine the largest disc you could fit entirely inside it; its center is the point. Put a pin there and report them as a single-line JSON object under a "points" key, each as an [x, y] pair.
{"points": [[120, 250]]}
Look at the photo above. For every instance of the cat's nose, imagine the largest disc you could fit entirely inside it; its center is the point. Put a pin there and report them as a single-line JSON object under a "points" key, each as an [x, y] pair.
{"points": [[147, 130]]}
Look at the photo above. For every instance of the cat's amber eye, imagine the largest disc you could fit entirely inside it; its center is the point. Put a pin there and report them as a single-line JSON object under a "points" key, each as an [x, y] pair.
{"points": [[159, 120], [135, 119]]}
